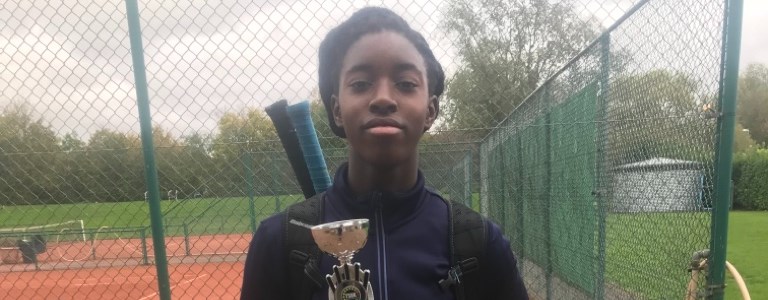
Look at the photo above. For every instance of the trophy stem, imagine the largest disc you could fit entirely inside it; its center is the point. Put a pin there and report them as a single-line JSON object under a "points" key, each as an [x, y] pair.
{"points": [[345, 258]]}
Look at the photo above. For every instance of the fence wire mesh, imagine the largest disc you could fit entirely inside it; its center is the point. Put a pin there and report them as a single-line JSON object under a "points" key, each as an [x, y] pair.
{"points": [[601, 177]]}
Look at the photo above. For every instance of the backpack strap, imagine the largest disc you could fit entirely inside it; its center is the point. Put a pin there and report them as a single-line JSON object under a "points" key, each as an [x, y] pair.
{"points": [[303, 254], [468, 240]]}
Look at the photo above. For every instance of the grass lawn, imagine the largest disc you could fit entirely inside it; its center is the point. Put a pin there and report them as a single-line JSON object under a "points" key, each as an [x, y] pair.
{"points": [[646, 253], [201, 216], [748, 252], [649, 253], [636, 242]]}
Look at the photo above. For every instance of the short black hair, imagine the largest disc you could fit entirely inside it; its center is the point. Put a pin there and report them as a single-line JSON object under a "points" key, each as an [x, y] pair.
{"points": [[368, 20]]}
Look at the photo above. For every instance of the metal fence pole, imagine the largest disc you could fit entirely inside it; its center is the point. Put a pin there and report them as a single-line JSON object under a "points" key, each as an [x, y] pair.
{"points": [[503, 192], [468, 179], [186, 239], [599, 190], [724, 156], [249, 181], [93, 245], [150, 168], [276, 190], [144, 254], [520, 202], [548, 186]]}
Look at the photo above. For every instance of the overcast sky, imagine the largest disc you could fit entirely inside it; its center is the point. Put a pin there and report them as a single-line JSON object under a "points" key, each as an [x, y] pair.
{"points": [[754, 37], [70, 59]]}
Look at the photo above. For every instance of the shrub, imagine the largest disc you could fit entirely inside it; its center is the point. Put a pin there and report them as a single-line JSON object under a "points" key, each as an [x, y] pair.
{"points": [[750, 176]]}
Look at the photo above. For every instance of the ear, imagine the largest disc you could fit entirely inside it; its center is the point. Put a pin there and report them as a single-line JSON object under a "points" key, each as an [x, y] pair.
{"points": [[433, 107], [336, 111]]}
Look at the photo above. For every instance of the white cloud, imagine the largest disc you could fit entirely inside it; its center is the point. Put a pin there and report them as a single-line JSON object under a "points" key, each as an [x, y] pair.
{"points": [[754, 40], [71, 59]]}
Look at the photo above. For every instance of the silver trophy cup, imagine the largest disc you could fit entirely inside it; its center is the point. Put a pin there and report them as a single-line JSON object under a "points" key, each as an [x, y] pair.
{"points": [[342, 239]]}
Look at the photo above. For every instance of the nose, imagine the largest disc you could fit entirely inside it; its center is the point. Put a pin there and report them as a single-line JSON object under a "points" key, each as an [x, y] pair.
{"points": [[384, 102]]}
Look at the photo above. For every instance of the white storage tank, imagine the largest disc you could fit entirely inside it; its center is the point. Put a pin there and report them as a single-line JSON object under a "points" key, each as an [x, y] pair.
{"points": [[658, 184]]}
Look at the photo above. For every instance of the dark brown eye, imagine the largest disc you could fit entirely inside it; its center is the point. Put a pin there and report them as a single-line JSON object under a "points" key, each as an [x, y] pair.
{"points": [[360, 85], [406, 86]]}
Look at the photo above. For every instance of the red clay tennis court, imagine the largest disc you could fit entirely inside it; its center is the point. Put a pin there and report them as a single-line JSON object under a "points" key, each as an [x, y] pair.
{"points": [[188, 281], [115, 269]]}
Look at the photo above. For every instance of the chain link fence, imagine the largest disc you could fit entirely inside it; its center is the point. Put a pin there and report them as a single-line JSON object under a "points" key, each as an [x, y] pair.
{"points": [[597, 158], [603, 177]]}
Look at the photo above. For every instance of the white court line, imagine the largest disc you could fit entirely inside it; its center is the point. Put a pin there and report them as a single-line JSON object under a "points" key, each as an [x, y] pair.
{"points": [[173, 286], [116, 280], [92, 284], [100, 281], [201, 253]]}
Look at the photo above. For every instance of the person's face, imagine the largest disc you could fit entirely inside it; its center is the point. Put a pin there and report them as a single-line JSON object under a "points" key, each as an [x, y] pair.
{"points": [[383, 102]]}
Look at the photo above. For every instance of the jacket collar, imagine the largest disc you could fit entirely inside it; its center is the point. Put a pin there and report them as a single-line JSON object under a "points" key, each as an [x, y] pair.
{"points": [[392, 205]]}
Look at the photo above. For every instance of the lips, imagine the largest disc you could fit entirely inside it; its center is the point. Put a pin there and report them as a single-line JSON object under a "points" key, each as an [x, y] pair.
{"points": [[382, 122], [383, 127]]}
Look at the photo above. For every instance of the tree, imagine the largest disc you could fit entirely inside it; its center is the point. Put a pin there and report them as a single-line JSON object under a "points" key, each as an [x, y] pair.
{"points": [[752, 110], [249, 131], [198, 144], [741, 140], [658, 114], [19, 132], [70, 142], [162, 138], [171, 164], [114, 167], [507, 48], [72, 170], [245, 140], [27, 161], [197, 163]]}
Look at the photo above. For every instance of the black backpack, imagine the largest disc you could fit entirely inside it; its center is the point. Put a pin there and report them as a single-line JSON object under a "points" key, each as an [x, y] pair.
{"points": [[467, 247]]}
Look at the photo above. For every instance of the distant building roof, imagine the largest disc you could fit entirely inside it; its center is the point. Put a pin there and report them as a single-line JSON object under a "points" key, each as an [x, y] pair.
{"points": [[660, 163]]}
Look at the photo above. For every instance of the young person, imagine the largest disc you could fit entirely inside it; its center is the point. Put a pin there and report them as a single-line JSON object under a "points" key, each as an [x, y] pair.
{"points": [[380, 83]]}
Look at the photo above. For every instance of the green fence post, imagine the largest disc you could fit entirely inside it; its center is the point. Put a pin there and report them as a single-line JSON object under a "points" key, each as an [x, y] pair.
{"points": [[34, 257], [724, 154], [602, 137], [144, 255], [505, 179], [519, 198], [185, 227], [276, 190], [548, 187], [150, 169], [249, 178], [93, 245], [501, 180], [468, 179]]}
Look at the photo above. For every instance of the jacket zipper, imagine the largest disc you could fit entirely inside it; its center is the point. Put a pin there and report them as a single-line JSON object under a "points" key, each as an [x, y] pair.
{"points": [[381, 247]]}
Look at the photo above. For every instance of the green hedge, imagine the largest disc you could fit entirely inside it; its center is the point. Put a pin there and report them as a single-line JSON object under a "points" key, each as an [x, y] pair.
{"points": [[750, 176]]}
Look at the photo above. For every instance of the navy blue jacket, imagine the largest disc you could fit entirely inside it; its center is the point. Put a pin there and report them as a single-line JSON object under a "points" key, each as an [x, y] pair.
{"points": [[407, 249]]}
